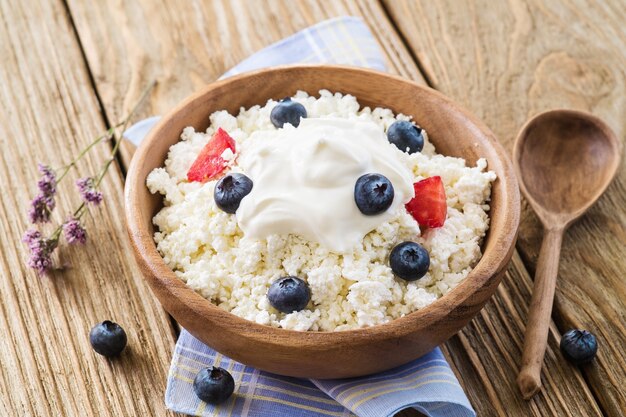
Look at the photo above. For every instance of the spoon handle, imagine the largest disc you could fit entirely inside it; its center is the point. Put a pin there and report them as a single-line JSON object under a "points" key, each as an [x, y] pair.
{"points": [[536, 337]]}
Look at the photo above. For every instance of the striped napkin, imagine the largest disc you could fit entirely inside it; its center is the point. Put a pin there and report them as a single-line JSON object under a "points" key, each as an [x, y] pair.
{"points": [[426, 384]]}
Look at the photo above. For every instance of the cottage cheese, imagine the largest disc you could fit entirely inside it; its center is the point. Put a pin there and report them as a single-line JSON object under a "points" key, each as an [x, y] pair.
{"points": [[304, 181], [351, 287]]}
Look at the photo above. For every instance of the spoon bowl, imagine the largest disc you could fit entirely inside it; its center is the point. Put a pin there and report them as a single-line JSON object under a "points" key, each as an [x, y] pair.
{"points": [[564, 159]]}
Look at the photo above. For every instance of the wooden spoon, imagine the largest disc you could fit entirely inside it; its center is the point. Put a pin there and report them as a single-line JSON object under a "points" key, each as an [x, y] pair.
{"points": [[564, 160]]}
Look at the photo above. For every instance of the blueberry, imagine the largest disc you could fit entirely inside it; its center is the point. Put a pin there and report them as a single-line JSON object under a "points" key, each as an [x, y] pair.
{"points": [[287, 111], [373, 194], [406, 136], [214, 385], [579, 346], [409, 261], [289, 294], [108, 338], [230, 190]]}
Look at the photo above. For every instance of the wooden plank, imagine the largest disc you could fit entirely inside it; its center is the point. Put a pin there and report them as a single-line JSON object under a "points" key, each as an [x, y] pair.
{"points": [[508, 61], [114, 76], [49, 112], [185, 46], [487, 352]]}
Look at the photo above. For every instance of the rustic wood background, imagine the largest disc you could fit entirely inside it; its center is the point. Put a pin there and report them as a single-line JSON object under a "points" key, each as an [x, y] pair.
{"points": [[72, 67]]}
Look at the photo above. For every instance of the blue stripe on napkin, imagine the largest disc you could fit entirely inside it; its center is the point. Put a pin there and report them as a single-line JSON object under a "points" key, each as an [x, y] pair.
{"points": [[426, 384]]}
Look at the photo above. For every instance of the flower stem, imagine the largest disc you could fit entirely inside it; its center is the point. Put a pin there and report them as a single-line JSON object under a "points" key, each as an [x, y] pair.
{"points": [[109, 133], [118, 140], [41, 247], [106, 135], [82, 208]]}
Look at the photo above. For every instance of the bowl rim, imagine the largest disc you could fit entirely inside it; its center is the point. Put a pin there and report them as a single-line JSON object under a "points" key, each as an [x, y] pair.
{"points": [[489, 266]]}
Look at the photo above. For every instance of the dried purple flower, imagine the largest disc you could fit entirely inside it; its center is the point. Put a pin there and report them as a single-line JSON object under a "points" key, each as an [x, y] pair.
{"points": [[40, 209], [74, 231], [31, 236], [47, 184], [88, 192], [40, 251]]}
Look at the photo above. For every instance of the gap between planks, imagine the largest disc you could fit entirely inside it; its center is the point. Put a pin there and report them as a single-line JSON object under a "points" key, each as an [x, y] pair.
{"points": [[407, 46], [119, 160]]}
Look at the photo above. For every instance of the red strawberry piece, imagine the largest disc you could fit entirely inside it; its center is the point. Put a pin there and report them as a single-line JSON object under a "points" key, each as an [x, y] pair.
{"points": [[429, 206], [209, 163]]}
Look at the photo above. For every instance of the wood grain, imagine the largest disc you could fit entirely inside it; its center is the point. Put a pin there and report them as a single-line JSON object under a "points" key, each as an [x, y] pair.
{"points": [[487, 353], [508, 61], [114, 69], [186, 46], [48, 367], [207, 38], [540, 313], [123, 53]]}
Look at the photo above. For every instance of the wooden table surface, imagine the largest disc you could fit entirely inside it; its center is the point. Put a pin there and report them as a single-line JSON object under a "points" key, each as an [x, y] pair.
{"points": [[70, 68]]}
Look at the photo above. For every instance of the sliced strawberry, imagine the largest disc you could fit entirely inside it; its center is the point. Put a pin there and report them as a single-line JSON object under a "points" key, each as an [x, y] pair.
{"points": [[209, 163], [429, 206]]}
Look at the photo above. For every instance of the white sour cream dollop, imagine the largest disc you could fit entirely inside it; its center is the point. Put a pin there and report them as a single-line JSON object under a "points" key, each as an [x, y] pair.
{"points": [[304, 181]]}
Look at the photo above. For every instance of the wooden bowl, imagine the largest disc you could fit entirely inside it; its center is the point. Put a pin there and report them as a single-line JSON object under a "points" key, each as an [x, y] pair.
{"points": [[350, 353]]}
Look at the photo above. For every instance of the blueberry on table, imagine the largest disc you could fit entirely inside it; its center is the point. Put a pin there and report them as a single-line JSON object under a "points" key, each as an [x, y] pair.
{"points": [[214, 385], [409, 261], [579, 346], [108, 338], [230, 190], [287, 111], [373, 194], [289, 294], [406, 136]]}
